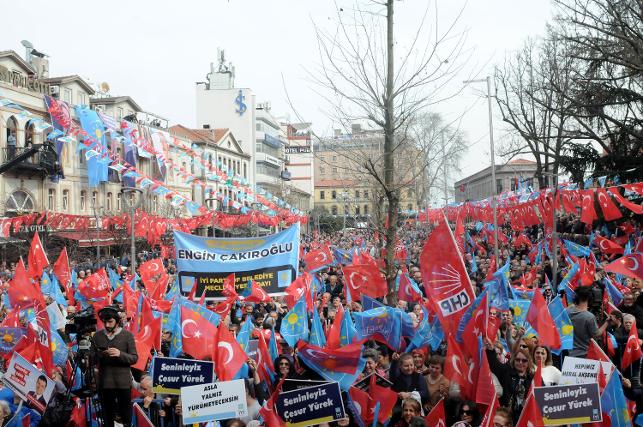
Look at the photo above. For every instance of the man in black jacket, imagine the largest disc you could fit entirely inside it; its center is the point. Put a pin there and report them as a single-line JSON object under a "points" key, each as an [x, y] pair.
{"points": [[114, 351]]}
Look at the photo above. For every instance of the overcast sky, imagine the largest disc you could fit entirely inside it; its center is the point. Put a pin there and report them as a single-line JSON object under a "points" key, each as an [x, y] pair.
{"points": [[155, 51]]}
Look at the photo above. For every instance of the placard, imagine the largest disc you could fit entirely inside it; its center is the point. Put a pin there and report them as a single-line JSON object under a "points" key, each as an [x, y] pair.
{"points": [[291, 384], [31, 385], [311, 406], [169, 374], [271, 261], [56, 317], [582, 371], [569, 404], [252, 350], [214, 401], [365, 382]]}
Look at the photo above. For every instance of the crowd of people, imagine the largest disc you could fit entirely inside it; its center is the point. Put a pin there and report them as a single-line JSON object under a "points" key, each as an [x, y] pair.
{"points": [[418, 377]]}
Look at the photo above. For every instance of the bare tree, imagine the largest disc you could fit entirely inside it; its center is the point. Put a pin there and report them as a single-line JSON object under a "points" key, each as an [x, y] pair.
{"points": [[365, 77]]}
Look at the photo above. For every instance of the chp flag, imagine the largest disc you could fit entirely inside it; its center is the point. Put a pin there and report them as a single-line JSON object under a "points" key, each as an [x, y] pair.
{"points": [[205, 262], [445, 278]]}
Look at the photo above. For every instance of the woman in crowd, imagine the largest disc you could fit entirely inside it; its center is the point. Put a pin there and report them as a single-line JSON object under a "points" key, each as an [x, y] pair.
{"points": [[468, 413], [419, 358], [550, 374], [410, 409], [371, 356], [437, 384], [502, 418], [514, 377]]}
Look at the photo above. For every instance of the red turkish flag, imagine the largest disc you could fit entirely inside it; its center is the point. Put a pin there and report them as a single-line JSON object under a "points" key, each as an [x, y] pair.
{"points": [[298, 288], [228, 286], [268, 413], [607, 246], [588, 214], [610, 211], [636, 208], [437, 416], [141, 418], [386, 398], [263, 355], [595, 352], [630, 265], [61, 268], [538, 376], [540, 319], [147, 338], [257, 294], [531, 416], [37, 258], [334, 334], [406, 292], [455, 364], [362, 401], [364, 279], [632, 348], [21, 292], [445, 278], [198, 334], [485, 390], [318, 258], [223, 308], [151, 270], [487, 420], [228, 355]]}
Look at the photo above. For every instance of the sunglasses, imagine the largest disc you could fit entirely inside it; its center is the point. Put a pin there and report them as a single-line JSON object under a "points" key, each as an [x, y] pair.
{"points": [[467, 412], [284, 364], [521, 360], [523, 346]]}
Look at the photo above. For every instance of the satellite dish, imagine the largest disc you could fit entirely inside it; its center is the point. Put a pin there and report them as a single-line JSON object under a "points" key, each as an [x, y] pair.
{"points": [[104, 87], [27, 44]]}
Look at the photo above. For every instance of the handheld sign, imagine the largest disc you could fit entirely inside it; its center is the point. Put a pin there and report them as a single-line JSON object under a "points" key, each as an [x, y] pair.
{"points": [[569, 404], [311, 406], [28, 383], [215, 401], [170, 374], [576, 370]]}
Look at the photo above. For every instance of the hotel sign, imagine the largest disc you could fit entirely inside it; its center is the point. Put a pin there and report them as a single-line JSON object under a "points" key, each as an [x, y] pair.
{"points": [[297, 150], [25, 82]]}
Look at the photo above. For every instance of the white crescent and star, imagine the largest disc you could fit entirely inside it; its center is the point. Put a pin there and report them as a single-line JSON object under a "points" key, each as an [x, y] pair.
{"points": [[184, 324], [228, 348], [635, 263]]}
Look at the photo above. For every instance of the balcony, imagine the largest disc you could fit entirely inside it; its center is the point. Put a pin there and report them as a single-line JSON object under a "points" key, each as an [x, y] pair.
{"points": [[30, 161]]}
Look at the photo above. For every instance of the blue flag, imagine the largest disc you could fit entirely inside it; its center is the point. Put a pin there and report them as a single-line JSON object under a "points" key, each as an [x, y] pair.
{"points": [[427, 335], [563, 324], [49, 286], [317, 336], [272, 345], [347, 331], [383, 324], [498, 295], [613, 403], [614, 293], [294, 325], [474, 263], [58, 348], [244, 333], [576, 249], [370, 303], [10, 336]]}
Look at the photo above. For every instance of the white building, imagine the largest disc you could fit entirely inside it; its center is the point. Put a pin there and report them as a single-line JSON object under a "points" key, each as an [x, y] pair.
{"points": [[300, 162]]}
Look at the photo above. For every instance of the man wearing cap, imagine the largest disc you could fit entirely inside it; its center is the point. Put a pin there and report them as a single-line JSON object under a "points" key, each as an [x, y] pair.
{"points": [[114, 351]]}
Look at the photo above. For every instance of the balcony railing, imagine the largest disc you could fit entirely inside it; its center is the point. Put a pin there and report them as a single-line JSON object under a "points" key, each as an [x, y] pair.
{"points": [[42, 160]]}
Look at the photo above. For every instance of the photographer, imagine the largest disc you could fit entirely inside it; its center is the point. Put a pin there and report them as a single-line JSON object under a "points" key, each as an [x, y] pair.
{"points": [[115, 351]]}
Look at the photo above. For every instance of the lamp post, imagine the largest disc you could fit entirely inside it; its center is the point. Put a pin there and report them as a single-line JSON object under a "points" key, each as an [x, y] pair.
{"points": [[494, 206], [133, 198], [211, 202]]}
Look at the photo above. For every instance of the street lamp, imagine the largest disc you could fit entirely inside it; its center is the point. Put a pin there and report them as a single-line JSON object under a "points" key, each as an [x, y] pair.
{"points": [[493, 168], [133, 198], [211, 202]]}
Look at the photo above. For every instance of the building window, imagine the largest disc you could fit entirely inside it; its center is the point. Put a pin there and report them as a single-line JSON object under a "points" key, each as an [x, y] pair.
{"points": [[119, 200], [65, 200], [334, 170], [109, 202], [333, 210], [322, 171], [334, 158], [67, 96], [357, 194], [322, 194], [365, 209], [51, 201], [81, 98], [498, 186], [119, 113], [365, 195], [409, 193], [83, 200], [94, 199], [245, 171], [409, 207], [333, 194], [155, 203], [357, 210]]}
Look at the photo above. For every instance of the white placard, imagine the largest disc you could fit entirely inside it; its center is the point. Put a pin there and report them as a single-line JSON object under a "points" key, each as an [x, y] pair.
{"points": [[56, 317], [215, 401], [583, 371]]}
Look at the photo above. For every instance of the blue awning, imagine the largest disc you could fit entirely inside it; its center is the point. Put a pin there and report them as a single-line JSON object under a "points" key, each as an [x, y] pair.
{"points": [[272, 141]]}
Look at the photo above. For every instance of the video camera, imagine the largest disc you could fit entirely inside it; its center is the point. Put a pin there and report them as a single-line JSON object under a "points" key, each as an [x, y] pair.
{"points": [[84, 322]]}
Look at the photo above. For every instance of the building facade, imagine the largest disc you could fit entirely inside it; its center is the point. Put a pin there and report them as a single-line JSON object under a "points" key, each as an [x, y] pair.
{"points": [[299, 161], [508, 178]]}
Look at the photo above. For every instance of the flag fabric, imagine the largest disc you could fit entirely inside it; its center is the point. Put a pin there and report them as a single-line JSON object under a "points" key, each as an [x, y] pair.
{"points": [[382, 396], [610, 211], [485, 390], [407, 289], [294, 325], [257, 294], [229, 289], [317, 336], [632, 351], [541, 320], [427, 335], [49, 286], [607, 246], [342, 365], [37, 258], [21, 292], [299, 287], [446, 281], [630, 265], [61, 268], [455, 364], [368, 303], [531, 415], [189, 326], [318, 258], [576, 249], [197, 333], [267, 411], [614, 404], [243, 336], [437, 416], [360, 403], [383, 324], [362, 279], [612, 291], [487, 420], [228, 356], [141, 419], [563, 324]]}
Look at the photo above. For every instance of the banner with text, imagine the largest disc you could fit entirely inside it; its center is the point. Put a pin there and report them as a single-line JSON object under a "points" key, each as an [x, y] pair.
{"points": [[576, 370], [31, 385], [271, 261], [311, 406], [169, 374], [569, 404], [215, 401]]}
